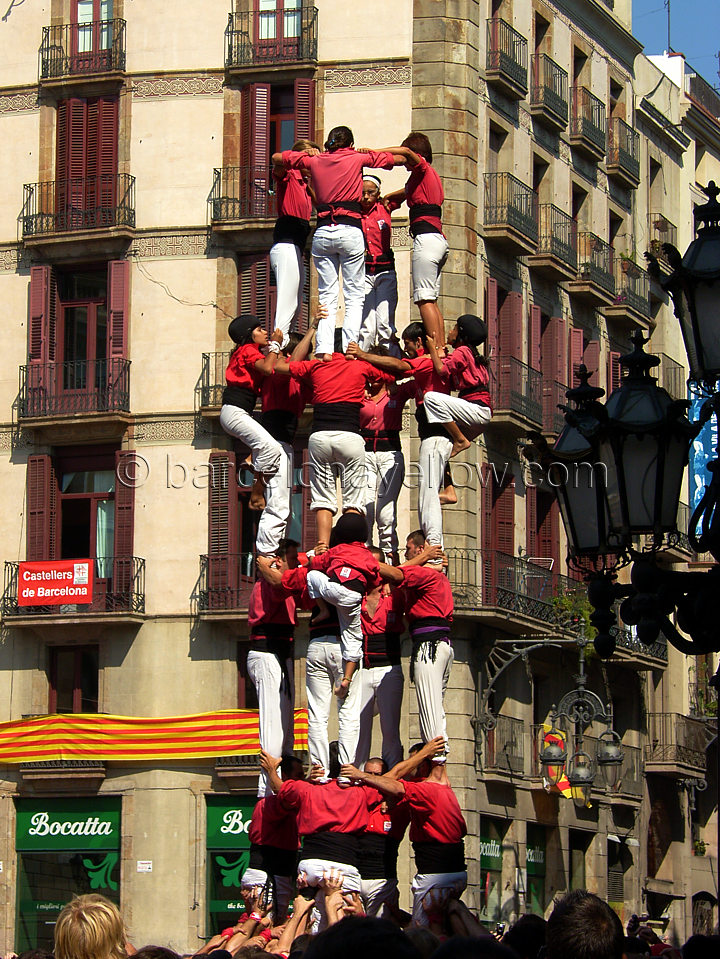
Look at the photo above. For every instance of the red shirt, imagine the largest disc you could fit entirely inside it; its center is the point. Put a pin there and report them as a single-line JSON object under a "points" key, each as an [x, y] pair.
{"points": [[241, 368], [466, 374], [393, 822], [272, 825], [427, 592], [377, 227], [293, 198], [295, 582], [426, 379], [385, 412], [337, 176], [435, 814], [283, 393], [350, 564], [338, 380], [327, 807], [270, 604], [388, 616], [425, 186]]}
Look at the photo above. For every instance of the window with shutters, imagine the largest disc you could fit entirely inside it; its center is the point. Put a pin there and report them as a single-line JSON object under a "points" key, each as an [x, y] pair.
{"points": [[74, 683], [579, 845], [618, 862]]}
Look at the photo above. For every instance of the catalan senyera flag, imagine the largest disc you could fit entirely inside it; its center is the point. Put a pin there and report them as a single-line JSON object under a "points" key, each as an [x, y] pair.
{"points": [[562, 786], [227, 732]]}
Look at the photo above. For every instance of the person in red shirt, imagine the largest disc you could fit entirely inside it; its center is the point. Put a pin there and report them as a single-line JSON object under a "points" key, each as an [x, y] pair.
{"points": [[274, 844], [381, 679], [381, 291], [464, 416], [272, 619], [338, 245], [437, 828], [292, 227]]}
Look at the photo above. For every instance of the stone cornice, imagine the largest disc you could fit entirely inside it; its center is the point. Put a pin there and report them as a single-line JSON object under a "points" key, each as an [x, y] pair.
{"points": [[673, 135], [595, 18]]}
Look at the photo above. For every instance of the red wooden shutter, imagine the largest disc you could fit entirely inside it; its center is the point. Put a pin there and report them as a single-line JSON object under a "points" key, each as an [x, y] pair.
{"points": [[510, 327], [223, 531], [491, 317], [256, 295], [118, 298], [591, 359], [255, 147], [41, 543], [104, 169], [124, 503], [556, 359], [613, 372], [304, 109], [504, 517], [535, 336], [548, 525], [42, 328], [71, 139], [488, 559], [577, 347], [531, 521]]}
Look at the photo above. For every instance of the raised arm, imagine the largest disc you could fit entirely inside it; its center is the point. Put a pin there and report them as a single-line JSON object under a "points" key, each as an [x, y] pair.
{"points": [[406, 767], [391, 364], [269, 572], [391, 574], [267, 364], [435, 355], [384, 784], [430, 553], [271, 765], [303, 348]]}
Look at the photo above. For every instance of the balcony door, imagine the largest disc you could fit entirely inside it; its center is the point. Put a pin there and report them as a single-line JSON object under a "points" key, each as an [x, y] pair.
{"points": [[86, 163], [83, 338], [91, 36], [277, 29]]}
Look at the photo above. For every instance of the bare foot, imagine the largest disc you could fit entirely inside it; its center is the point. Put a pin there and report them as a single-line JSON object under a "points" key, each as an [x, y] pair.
{"points": [[458, 446], [448, 497]]}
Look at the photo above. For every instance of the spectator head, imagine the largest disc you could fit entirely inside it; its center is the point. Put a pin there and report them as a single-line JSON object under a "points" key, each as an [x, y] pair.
{"points": [[299, 946], [582, 926], [35, 954], [526, 936], [414, 544], [156, 952], [338, 138], [479, 947], [291, 768], [376, 766], [414, 339], [419, 143], [90, 927], [287, 551], [359, 937], [425, 942], [634, 947], [701, 947]]}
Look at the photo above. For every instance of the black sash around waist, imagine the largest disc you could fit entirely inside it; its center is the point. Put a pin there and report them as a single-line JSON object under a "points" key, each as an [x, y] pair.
{"points": [[379, 264], [280, 424], [330, 626], [434, 857], [273, 860], [381, 441], [291, 229], [381, 649], [377, 856], [425, 429], [239, 396], [419, 225], [335, 846], [336, 416], [348, 212]]}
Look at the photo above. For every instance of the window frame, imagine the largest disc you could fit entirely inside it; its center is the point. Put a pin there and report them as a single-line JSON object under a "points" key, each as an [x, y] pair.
{"points": [[77, 695]]}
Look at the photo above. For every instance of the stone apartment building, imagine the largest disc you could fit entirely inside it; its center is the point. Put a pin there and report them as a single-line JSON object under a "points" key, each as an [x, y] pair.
{"points": [[135, 219]]}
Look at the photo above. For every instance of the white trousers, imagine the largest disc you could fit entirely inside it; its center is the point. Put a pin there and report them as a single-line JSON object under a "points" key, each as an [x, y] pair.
{"points": [[378, 318], [472, 418], [430, 252], [347, 602], [288, 266], [381, 692], [323, 672], [385, 474], [315, 870], [275, 516], [453, 883], [331, 454], [431, 679], [434, 456], [376, 892], [266, 451], [339, 248], [275, 706], [283, 887]]}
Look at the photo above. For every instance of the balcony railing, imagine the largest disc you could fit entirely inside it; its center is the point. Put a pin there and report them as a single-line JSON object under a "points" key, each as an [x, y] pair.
{"points": [[630, 781], [672, 377], [681, 539], [212, 378], [549, 87], [73, 387], [83, 203], [257, 37], [226, 581], [588, 118], [595, 261], [507, 52], [119, 587], [72, 49], [483, 578], [504, 746], [240, 193], [553, 394], [623, 148], [661, 230], [626, 639], [675, 739], [701, 91], [518, 388], [558, 234], [510, 202], [703, 699], [632, 286]]}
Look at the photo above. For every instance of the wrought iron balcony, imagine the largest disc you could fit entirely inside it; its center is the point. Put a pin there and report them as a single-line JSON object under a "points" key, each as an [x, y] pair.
{"points": [[119, 588], [226, 581], [631, 651], [661, 230], [241, 193], [596, 277], [673, 378], [212, 381], [632, 292], [553, 395], [74, 387], [630, 782], [517, 388], [702, 92], [488, 578], [676, 744], [557, 243], [623, 157], [680, 540], [549, 100], [82, 203], [511, 212], [703, 699], [588, 123], [504, 746], [507, 59], [82, 49], [271, 37]]}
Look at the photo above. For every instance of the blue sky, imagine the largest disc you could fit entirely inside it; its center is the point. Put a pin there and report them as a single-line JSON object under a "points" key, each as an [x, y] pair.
{"points": [[694, 31]]}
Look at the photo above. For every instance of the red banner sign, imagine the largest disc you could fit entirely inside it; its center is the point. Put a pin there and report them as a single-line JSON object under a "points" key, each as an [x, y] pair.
{"points": [[55, 583]]}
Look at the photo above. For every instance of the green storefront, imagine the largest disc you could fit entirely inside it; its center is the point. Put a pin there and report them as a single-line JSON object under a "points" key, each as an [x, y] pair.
{"points": [[228, 854], [65, 848], [492, 834], [535, 868]]}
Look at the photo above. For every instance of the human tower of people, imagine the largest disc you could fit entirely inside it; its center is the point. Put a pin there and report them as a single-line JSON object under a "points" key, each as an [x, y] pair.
{"points": [[349, 816]]}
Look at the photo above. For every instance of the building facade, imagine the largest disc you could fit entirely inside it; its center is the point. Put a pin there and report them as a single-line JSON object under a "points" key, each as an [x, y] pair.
{"points": [[135, 220]]}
